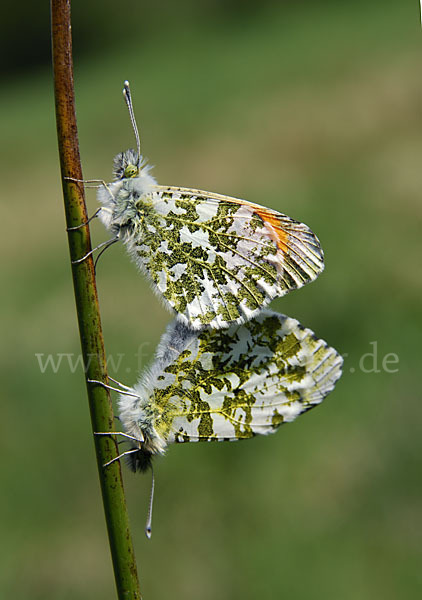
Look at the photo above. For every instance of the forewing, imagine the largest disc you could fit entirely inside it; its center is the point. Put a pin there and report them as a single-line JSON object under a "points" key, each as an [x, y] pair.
{"points": [[218, 260], [233, 384]]}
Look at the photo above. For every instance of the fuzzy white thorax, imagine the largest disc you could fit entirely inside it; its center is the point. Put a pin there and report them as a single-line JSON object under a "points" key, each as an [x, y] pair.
{"points": [[138, 419], [137, 413], [113, 196]]}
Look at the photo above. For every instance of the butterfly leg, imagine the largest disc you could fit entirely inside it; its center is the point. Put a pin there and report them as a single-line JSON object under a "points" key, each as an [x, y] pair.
{"points": [[112, 241], [107, 464], [86, 222], [122, 385], [126, 435], [109, 387], [106, 244], [98, 182]]}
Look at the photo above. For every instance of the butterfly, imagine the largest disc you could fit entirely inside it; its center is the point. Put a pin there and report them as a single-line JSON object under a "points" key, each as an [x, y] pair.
{"points": [[213, 259], [225, 384]]}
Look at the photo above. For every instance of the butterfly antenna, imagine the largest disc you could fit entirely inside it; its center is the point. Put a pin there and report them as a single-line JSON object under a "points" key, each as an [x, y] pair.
{"points": [[128, 98], [148, 530]]}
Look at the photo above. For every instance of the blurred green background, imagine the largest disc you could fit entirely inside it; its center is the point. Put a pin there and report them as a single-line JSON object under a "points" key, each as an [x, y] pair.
{"points": [[311, 108]]}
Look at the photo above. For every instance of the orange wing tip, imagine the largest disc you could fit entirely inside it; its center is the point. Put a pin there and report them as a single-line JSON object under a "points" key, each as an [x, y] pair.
{"points": [[280, 235]]}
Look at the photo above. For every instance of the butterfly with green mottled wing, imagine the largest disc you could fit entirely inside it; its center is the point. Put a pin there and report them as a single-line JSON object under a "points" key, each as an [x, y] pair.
{"points": [[226, 384], [214, 260]]}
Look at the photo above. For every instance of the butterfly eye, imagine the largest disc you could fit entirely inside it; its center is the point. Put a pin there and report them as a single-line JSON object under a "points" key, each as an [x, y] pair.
{"points": [[130, 171]]}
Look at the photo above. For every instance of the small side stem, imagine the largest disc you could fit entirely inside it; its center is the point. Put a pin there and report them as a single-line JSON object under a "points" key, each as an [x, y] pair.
{"points": [[87, 307]]}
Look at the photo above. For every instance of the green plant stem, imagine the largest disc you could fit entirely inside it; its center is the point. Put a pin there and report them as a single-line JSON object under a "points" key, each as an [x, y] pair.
{"points": [[88, 309]]}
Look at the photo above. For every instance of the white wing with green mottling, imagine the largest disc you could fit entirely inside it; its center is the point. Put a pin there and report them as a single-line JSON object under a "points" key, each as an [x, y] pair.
{"points": [[230, 384], [213, 259]]}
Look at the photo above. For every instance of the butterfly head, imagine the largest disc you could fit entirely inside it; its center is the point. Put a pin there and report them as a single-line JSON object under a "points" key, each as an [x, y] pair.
{"points": [[128, 165], [139, 461]]}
